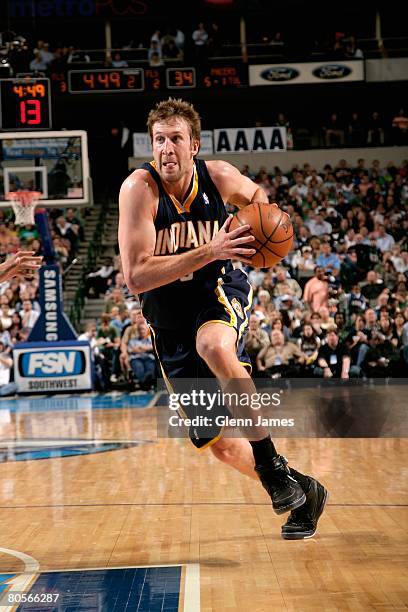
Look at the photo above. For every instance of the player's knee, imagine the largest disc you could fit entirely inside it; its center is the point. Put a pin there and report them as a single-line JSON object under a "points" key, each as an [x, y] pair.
{"points": [[227, 450], [224, 454], [213, 352]]}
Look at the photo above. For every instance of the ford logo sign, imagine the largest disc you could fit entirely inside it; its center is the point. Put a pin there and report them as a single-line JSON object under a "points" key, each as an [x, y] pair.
{"points": [[332, 71], [279, 73]]}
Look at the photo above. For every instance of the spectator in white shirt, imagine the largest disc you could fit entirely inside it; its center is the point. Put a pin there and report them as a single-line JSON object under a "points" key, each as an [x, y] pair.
{"points": [[318, 226], [155, 37], [155, 50], [200, 36], [398, 259], [299, 189], [28, 315], [37, 63], [46, 54], [89, 335], [303, 259], [6, 363], [256, 277], [180, 39], [118, 62], [385, 241], [313, 176], [98, 281]]}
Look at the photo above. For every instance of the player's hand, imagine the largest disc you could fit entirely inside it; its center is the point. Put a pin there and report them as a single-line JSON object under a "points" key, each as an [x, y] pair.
{"points": [[21, 263], [230, 245]]}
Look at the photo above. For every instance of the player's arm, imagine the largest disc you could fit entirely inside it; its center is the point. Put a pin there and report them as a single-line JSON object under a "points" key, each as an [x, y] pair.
{"points": [[23, 262], [143, 270], [233, 186]]}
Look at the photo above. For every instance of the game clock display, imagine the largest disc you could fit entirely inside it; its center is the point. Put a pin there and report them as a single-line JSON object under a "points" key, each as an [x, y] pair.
{"points": [[25, 104], [147, 79], [106, 81]]}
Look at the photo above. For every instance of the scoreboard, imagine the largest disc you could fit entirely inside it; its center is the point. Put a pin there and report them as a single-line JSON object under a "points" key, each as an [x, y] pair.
{"points": [[148, 79], [25, 104]]}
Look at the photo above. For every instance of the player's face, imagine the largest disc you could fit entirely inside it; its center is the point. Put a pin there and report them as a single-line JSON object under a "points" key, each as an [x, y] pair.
{"points": [[173, 149]]}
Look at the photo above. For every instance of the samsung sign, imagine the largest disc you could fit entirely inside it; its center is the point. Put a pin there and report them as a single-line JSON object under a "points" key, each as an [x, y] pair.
{"points": [[54, 366], [51, 305], [307, 73]]}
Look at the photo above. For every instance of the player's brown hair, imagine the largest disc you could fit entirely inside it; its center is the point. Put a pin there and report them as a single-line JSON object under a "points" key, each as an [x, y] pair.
{"points": [[167, 109]]}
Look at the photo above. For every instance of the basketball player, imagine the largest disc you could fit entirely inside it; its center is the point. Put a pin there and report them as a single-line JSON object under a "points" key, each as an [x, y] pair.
{"points": [[22, 263], [176, 250]]}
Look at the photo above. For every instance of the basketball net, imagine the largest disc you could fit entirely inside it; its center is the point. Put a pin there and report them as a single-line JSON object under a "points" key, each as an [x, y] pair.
{"points": [[23, 204]]}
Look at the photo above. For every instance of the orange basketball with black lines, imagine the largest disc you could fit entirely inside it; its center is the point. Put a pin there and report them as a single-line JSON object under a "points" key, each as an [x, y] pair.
{"points": [[272, 229]]}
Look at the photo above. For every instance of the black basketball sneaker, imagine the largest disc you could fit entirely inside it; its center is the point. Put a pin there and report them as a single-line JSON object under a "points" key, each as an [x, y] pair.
{"points": [[285, 492], [302, 522]]}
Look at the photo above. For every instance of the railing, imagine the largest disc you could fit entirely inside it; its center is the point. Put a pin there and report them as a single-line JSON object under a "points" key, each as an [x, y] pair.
{"points": [[94, 250], [255, 52]]}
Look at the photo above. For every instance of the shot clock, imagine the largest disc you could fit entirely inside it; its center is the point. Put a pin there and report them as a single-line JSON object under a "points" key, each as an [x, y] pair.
{"points": [[25, 104]]}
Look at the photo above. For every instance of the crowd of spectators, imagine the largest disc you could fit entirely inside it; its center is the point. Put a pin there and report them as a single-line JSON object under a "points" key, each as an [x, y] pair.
{"points": [[338, 304], [372, 129], [167, 46], [121, 340], [198, 41], [19, 306]]}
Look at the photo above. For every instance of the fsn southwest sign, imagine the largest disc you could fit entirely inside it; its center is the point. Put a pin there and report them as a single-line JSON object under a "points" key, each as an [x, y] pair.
{"points": [[52, 367]]}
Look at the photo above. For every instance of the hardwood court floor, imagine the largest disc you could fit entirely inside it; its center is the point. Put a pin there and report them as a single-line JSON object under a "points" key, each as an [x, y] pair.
{"points": [[163, 503]]}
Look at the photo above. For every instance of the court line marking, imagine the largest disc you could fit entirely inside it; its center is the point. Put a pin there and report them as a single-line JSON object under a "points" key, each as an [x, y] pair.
{"points": [[68, 441], [183, 504], [114, 567], [191, 585], [191, 582], [192, 588], [23, 580]]}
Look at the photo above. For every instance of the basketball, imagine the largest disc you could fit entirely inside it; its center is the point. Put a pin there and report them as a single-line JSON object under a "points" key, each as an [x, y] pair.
{"points": [[272, 229]]}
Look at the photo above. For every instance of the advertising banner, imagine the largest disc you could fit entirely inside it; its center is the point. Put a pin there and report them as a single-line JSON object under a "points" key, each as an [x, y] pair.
{"points": [[307, 73], [41, 367], [387, 69], [250, 140], [143, 148]]}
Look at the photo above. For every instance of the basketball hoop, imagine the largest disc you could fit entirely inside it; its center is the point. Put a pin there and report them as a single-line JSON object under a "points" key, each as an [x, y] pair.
{"points": [[23, 204]]}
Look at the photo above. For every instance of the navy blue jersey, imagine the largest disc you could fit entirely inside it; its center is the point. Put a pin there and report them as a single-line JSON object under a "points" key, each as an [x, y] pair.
{"points": [[181, 227]]}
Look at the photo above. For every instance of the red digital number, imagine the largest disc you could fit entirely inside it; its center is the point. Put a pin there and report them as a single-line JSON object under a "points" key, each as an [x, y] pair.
{"points": [[188, 77], [89, 80], [30, 112], [103, 78]]}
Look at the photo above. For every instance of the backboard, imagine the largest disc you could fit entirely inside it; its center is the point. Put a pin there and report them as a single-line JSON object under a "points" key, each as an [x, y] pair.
{"points": [[55, 163]]}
